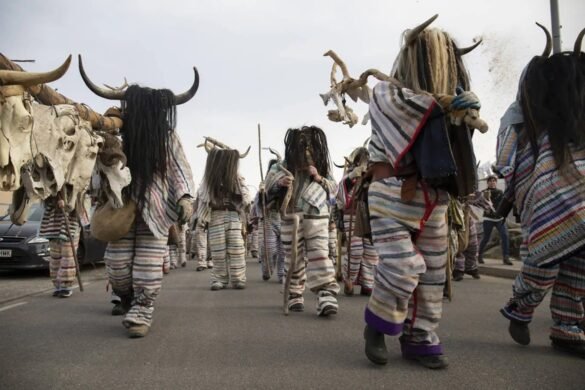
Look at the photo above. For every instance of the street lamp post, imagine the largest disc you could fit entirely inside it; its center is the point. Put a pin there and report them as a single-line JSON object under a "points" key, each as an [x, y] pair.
{"points": [[555, 25]]}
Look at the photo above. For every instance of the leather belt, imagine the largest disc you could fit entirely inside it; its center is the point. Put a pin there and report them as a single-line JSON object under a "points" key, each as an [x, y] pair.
{"points": [[382, 170]]}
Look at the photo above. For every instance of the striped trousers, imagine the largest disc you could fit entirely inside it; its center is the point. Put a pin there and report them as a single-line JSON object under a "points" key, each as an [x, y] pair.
{"points": [[227, 248], [467, 260], [411, 241], [134, 264], [62, 264], [567, 280], [253, 241], [199, 246], [363, 257], [313, 265], [274, 247]]}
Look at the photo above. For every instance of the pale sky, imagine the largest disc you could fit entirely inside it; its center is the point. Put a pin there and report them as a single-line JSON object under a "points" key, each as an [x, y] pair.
{"points": [[262, 61]]}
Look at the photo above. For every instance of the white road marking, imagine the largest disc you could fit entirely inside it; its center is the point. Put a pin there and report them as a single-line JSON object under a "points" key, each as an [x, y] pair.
{"points": [[13, 306]]}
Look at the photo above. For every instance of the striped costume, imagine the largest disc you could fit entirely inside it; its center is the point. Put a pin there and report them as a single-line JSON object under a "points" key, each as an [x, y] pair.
{"points": [[552, 214], [226, 241], [62, 263], [313, 264], [199, 233], [134, 263], [199, 246], [252, 238], [273, 243], [410, 237], [363, 257], [466, 260]]}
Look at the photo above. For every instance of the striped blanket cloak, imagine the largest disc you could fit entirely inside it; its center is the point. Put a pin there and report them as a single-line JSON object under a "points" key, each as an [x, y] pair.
{"points": [[553, 221]]}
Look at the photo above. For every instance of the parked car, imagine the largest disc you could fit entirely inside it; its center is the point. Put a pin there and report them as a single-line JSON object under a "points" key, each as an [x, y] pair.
{"points": [[22, 248]]}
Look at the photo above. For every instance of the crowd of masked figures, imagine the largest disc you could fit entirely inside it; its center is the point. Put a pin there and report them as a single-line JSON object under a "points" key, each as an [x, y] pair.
{"points": [[412, 186]]}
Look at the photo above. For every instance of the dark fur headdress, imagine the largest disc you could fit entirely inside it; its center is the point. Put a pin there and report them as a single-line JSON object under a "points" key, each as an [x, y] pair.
{"points": [[149, 117], [221, 173], [307, 146]]}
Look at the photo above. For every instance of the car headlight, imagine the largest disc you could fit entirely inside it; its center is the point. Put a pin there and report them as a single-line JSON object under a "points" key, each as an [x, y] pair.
{"points": [[38, 240]]}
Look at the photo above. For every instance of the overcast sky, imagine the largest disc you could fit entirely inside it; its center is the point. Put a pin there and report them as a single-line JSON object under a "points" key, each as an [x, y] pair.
{"points": [[261, 61]]}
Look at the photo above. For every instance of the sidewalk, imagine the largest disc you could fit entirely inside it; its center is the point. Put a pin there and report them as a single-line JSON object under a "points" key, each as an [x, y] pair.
{"points": [[495, 267]]}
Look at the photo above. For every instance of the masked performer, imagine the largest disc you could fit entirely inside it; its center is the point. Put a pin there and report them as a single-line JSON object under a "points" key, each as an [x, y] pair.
{"points": [[306, 168], [273, 243], [229, 202], [420, 151], [199, 238], [252, 232], [541, 153], [362, 258], [161, 188]]}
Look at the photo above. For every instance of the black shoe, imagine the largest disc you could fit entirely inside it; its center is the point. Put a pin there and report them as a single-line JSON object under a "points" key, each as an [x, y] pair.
{"points": [[480, 260], [65, 293], [375, 346], [366, 291], [507, 261], [457, 275], [297, 307], [122, 307], [434, 362], [474, 273], [118, 310], [519, 332], [200, 268], [573, 347], [265, 277]]}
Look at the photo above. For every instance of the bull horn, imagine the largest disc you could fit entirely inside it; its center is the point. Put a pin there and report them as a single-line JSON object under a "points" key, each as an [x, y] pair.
{"points": [[412, 34], [13, 77], [578, 41], [186, 96], [278, 156], [102, 92], [548, 46], [245, 153], [338, 165], [366, 141], [465, 50]]}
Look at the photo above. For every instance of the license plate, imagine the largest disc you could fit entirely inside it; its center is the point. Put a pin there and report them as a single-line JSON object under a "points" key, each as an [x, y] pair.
{"points": [[5, 252]]}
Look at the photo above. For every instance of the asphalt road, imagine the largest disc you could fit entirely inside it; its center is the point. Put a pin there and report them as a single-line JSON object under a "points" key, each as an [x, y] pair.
{"points": [[204, 339]]}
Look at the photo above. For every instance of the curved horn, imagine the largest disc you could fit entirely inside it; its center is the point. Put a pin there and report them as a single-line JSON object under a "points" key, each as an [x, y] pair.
{"points": [[186, 96], [338, 165], [278, 156], [102, 92], [216, 143], [245, 153], [366, 141], [13, 77], [204, 145], [463, 51], [578, 41], [410, 37], [339, 62], [548, 46]]}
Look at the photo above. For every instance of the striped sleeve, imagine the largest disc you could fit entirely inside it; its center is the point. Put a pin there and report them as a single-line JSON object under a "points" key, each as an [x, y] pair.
{"points": [[398, 115]]}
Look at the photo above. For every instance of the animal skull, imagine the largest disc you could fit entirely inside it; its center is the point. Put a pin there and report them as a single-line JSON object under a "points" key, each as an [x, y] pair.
{"points": [[16, 120], [64, 154]]}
